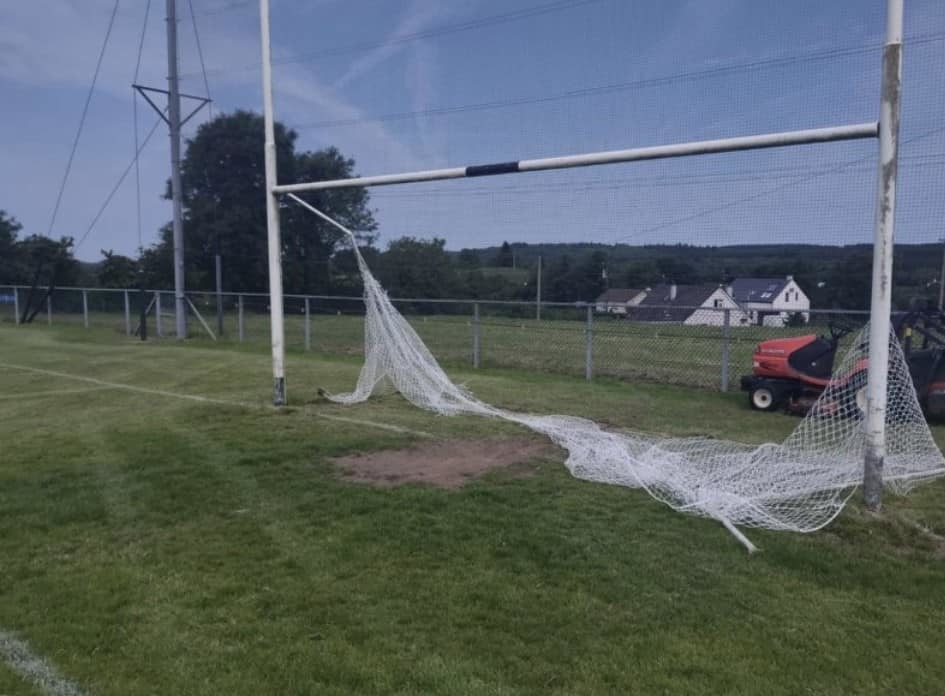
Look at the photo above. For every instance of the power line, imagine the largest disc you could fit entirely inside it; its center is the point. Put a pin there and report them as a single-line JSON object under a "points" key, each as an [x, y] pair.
{"points": [[85, 111], [443, 30], [776, 189], [134, 106], [121, 180], [732, 68], [203, 67]]}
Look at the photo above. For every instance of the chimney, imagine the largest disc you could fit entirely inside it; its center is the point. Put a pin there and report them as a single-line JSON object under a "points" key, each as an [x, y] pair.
{"points": [[672, 292]]}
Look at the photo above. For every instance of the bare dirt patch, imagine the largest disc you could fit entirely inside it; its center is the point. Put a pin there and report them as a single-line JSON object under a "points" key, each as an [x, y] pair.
{"points": [[446, 464]]}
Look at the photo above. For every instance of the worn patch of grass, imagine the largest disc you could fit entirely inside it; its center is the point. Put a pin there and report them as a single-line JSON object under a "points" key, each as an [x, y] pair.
{"points": [[156, 545]]}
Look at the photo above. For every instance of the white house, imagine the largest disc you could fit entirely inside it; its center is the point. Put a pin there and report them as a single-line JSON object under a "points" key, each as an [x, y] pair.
{"points": [[616, 300], [770, 301], [693, 305]]}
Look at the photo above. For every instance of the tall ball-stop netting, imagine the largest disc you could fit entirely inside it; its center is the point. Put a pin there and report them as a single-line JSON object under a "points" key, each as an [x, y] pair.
{"points": [[454, 85]]}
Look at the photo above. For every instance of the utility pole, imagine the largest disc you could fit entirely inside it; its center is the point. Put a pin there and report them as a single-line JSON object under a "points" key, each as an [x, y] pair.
{"points": [[173, 121]]}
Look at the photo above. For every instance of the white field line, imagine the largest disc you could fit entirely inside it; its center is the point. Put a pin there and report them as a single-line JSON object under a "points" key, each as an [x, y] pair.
{"points": [[210, 400], [33, 668], [50, 392]]}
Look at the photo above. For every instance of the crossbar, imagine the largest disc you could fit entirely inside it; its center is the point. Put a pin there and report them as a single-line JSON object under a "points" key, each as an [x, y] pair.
{"points": [[857, 131]]}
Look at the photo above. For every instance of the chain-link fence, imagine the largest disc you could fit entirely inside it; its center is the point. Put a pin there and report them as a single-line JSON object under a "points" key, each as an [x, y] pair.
{"points": [[695, 346]]}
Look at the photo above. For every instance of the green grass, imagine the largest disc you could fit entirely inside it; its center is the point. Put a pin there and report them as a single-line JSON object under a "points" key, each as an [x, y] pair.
{"points": [[632, 351], [155, 545]]}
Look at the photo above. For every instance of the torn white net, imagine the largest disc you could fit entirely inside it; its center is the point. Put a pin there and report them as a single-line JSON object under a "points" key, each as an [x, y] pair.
{"points": [[799, 485]]}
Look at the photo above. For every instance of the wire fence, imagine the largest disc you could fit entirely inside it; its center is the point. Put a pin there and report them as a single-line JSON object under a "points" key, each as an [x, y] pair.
{"points": [[701, 346]]}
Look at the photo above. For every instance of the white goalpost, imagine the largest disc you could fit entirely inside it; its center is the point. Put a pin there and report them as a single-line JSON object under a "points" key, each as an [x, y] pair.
{"points": [[799, 485]]}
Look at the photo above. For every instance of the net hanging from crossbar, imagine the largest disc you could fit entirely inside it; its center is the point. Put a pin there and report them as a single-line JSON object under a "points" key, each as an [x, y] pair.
{"points": [[800, 485]]}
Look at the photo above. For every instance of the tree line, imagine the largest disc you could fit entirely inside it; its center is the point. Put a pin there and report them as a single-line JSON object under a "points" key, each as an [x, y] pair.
{"points": [[223, 180]]}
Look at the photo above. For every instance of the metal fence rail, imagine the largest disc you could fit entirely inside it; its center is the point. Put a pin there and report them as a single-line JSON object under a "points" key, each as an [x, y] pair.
{"points": [[572, 339]]}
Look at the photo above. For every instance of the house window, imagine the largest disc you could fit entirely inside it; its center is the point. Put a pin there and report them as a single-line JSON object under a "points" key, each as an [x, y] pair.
{"points": [[717, 304]]}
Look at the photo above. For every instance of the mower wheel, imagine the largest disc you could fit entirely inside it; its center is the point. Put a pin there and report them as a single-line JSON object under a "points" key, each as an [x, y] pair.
{"points": [[762, 399]]}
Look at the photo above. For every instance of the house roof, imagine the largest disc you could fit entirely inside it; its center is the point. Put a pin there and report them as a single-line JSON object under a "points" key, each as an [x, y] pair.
{"points": [[618, 295], [657, 305], [761, 290]]}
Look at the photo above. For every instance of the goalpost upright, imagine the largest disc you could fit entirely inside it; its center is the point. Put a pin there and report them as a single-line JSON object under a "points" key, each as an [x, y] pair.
{"points": [[886, 130], [881, 300], [276, 308]]}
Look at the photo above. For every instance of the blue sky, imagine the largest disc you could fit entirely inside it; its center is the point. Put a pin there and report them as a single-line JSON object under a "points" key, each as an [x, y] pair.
{"points": [[407, 84]]}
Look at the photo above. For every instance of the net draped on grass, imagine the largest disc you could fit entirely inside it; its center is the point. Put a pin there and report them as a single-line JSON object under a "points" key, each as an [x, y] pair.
{"points": [[800, 485]]}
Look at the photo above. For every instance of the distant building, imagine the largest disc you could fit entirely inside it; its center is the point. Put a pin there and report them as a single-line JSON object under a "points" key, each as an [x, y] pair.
{"points": [[770, 301], [693, 305], [616, 300]]}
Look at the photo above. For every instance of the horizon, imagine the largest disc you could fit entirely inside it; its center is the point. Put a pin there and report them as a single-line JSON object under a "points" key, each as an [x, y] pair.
{"points": [[423, 84]]}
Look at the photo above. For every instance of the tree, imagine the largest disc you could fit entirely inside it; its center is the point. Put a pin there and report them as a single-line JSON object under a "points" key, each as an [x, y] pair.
{"points": [[309, 242], [48, 263], [117, 271], [505, 258], [417, 268], [223, 189], [9, 227], [468, 260]]}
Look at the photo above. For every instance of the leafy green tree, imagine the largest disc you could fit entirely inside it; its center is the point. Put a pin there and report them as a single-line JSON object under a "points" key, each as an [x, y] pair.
{"points": [[417, 268], [468, 260], [223, 182], [505, 258], [9, 268], [117, 271]]}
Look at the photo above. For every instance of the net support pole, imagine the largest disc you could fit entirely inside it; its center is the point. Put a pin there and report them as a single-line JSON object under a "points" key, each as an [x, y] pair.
{"points": [[277, 328], [173, 120], [16, 306], [881, 301]]}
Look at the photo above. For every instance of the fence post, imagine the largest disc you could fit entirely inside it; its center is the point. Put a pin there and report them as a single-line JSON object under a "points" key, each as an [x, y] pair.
{"points": [[158, 322], [85, 308], [308, 325], [726, 347], [219, 270], [16, 306], [476, 335], [49, 309], [589, 344], [127, 313], [239, 318]]}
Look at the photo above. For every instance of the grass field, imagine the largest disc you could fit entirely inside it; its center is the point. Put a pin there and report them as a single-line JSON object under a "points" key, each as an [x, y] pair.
{"points": [[151, 543], [657, 352]]}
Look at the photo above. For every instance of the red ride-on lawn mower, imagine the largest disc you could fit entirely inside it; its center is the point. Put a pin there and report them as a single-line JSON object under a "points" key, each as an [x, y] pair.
{"points": [[791, 373]]}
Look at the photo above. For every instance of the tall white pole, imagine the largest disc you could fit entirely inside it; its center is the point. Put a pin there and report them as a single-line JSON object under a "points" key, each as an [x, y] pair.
{"points": [[173, 119], [272, 218], [881, 304]]}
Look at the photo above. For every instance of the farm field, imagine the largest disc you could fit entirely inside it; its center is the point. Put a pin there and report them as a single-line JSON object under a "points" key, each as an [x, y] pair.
{"points": [[162, 530]]}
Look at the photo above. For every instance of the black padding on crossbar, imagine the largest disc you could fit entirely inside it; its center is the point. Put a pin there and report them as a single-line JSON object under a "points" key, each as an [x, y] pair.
{"points": [[490, 169]]}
